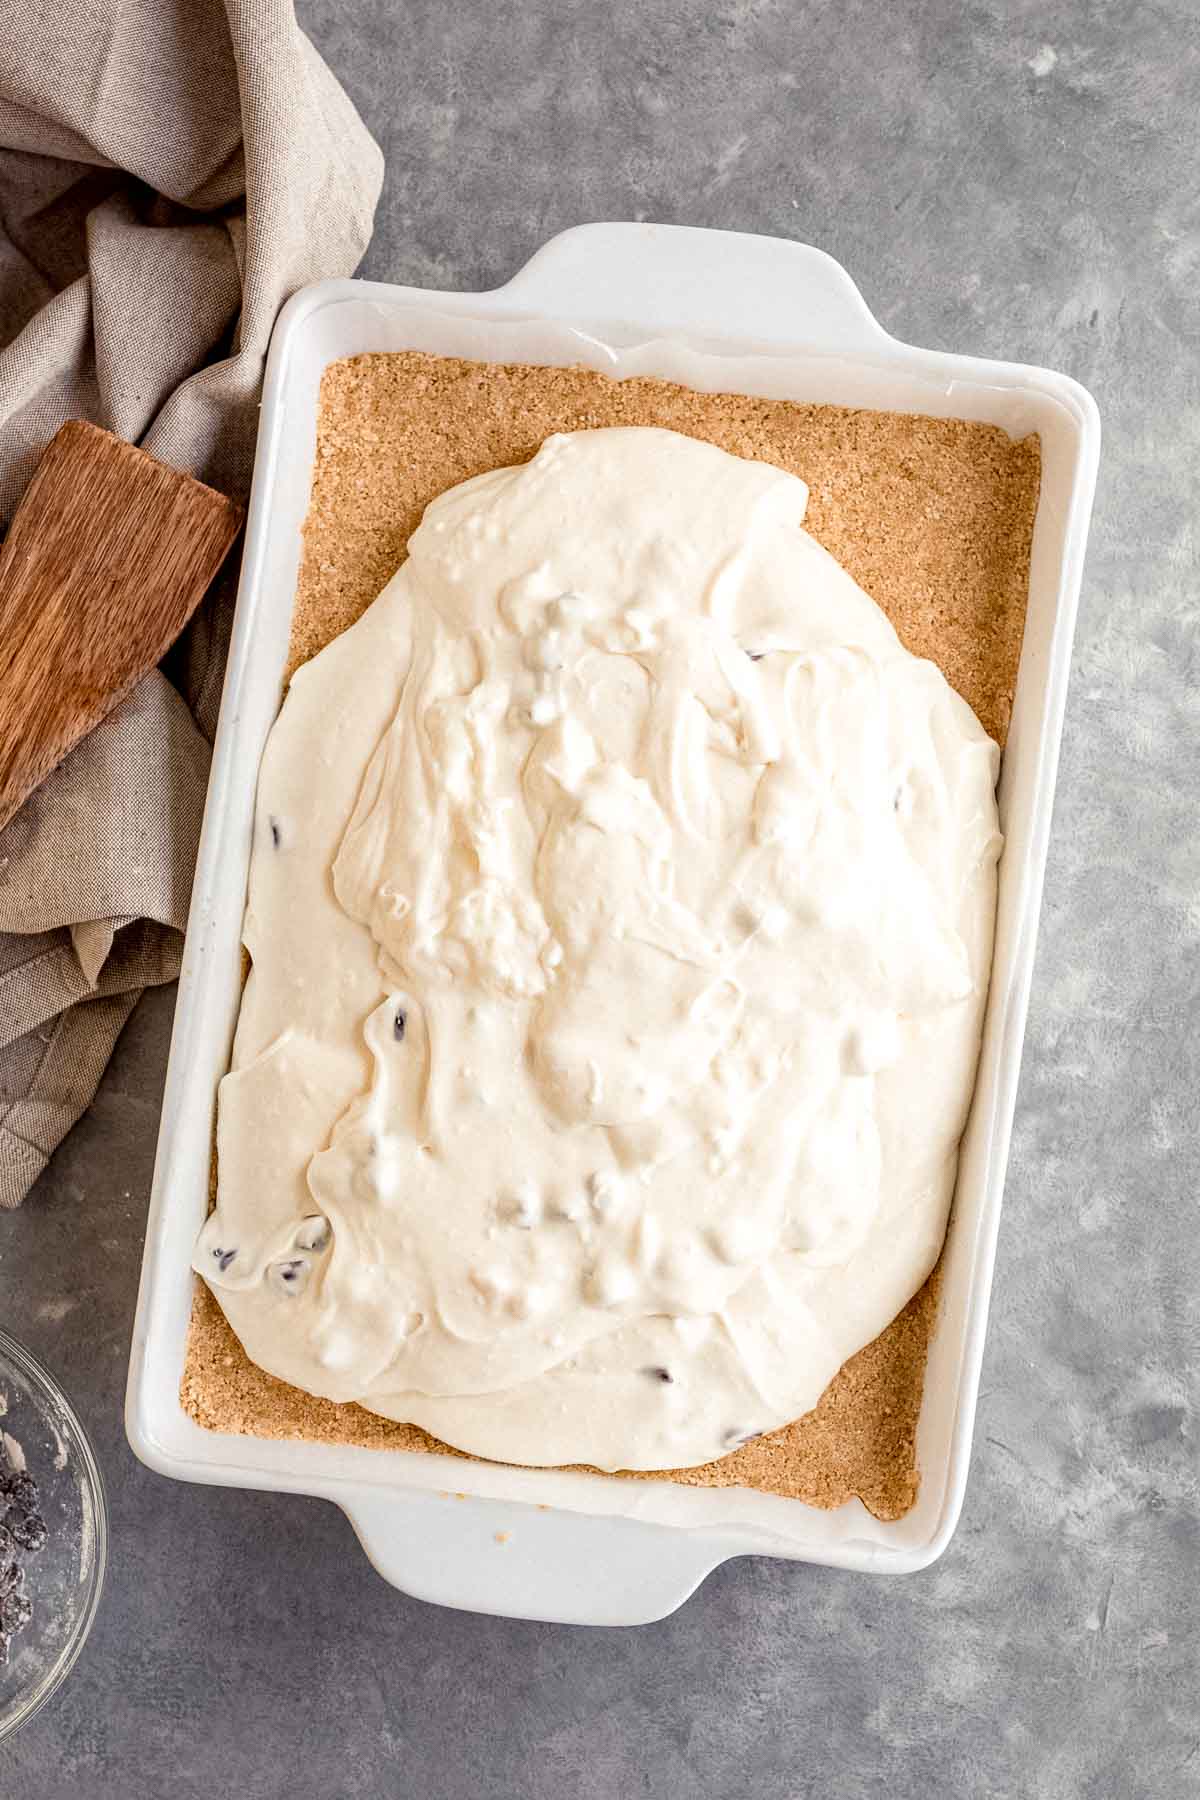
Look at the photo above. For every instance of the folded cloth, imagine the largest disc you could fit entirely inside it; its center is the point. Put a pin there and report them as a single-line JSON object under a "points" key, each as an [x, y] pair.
{"points": [[170, 170]]}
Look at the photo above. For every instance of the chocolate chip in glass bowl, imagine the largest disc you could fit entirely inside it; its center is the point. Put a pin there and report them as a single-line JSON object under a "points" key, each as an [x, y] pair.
{"points": [[53, 1534], [16, 1610], [27, 1529], [19, 1488], [22, 1524]]}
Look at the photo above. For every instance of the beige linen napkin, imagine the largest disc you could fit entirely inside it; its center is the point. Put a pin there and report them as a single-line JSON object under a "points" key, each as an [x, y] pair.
{"points": [[170, 170]]}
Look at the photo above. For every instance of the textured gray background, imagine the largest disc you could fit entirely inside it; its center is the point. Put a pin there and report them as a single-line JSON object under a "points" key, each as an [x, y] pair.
{"points": [[989, 196]]}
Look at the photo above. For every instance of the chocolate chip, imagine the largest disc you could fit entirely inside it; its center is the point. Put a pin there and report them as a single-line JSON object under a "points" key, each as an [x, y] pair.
{"points": [[276, 834], [736, 1436], [21, 1489], [313, 1233], [289, 1276], [399, 1024], [16, 1610], [28, 1528], [223, 1258], [657, 1373], [756, 655]]}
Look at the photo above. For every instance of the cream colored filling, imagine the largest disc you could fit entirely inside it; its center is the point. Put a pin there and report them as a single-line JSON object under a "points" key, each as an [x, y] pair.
{"points": [[620, 910]]}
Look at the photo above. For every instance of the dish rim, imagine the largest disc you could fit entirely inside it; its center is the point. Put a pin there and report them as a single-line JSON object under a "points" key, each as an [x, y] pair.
{"points": [[845, 331]]}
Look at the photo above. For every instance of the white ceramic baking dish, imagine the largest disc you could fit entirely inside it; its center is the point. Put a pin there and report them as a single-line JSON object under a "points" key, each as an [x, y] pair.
{"points": [[722, 312]]}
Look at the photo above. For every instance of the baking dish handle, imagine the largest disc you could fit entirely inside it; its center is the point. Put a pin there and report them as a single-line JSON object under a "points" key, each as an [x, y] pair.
{"points": [[709, 284], [530, 1562]]}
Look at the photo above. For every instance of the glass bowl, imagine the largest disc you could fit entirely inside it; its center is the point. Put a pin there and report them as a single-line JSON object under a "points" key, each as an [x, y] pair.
{"points": [[64, 1578]]}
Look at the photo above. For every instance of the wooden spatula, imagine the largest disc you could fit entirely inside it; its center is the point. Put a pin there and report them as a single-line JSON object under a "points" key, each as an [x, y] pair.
{"points": [[105, 561]]}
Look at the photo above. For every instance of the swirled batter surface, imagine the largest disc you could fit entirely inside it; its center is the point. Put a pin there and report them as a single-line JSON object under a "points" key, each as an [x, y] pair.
{"points": [[620, 911]]}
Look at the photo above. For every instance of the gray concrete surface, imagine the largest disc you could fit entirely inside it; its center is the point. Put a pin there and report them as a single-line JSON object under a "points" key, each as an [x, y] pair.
{"points": [[1010, 179]]}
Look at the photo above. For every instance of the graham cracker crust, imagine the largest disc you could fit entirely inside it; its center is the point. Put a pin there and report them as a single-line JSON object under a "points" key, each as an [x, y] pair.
{"points": [[933, 517]]}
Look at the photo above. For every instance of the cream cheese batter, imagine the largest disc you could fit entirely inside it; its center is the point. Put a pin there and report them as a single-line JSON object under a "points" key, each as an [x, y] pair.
{"points": [[621, 909]]}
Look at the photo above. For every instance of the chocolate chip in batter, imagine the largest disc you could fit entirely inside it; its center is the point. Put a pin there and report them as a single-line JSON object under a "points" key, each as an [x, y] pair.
{"points": [[291, 1274], [756, 655], [313, 1233], [276, 834], [656, 1372], [736, 1436], [399, 1024], [223, 1258]]}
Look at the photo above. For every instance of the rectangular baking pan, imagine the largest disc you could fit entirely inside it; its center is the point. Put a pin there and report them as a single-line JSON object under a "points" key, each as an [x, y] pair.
{"points": [[721, 312]]}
